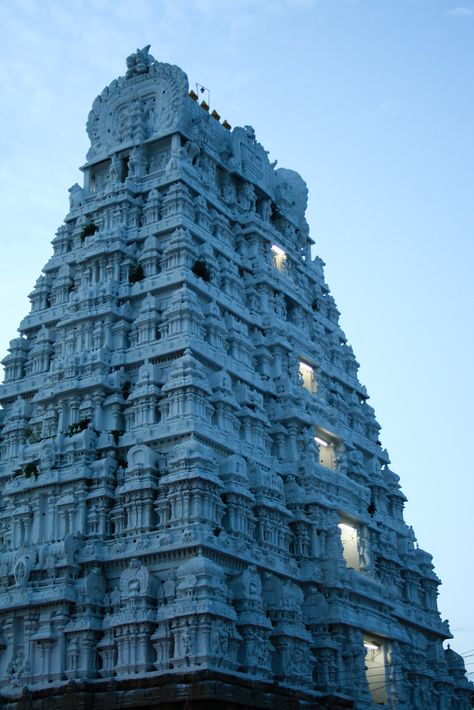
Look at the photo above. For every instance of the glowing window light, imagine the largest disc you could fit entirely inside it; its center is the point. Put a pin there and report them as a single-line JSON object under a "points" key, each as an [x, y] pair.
{"points": [[350, 545], [279, 257], [327, 457], [307, 377], [375, 671]]}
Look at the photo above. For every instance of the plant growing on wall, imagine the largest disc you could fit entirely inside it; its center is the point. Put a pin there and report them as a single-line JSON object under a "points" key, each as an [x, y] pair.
{"points": [[126, 389], [77, 427]]}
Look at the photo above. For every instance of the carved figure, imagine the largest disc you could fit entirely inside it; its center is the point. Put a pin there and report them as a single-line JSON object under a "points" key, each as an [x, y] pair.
{"points": [[18, 667], [114, 170], [139, 62], [188, 641]]}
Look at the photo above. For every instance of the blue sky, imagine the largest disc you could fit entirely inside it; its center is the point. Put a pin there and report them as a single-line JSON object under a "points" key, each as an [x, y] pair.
{"points": [[372, 102]]}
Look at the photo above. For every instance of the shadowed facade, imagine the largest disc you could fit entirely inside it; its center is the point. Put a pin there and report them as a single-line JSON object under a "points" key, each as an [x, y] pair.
{"points": [[196, 510]]}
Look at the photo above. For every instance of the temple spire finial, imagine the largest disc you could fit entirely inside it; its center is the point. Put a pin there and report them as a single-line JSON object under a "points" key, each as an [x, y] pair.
{"points": [[139, 62]]}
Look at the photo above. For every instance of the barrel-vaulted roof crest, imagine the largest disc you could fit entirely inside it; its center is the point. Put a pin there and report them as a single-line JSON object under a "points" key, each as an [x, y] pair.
{"points": [[147, 103]]}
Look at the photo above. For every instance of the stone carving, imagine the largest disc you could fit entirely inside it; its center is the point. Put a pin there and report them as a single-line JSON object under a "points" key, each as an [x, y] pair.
{"points": [[165, 502], [188, 641], [134, 581], [22, 572], [18, 667], [220, 641], [77, 196], [252, 584], [125, 114], [48, 454], [142, 456], [258, 649], [95, 587], [139, 62], [114, 170]]}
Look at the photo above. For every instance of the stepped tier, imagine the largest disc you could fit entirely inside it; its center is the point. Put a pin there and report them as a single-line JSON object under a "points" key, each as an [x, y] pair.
{"points": [[195, 504]]}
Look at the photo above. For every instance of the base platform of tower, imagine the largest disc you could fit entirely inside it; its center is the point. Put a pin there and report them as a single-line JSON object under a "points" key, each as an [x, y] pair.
{"points": [[199, 690], [196, 510]]}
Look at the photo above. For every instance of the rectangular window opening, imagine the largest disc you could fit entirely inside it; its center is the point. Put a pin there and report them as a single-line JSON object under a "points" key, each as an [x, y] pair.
{"points": [[307, 376], [124, 168], [350, 545], [375, 670], [327, 455], [279, 258]]}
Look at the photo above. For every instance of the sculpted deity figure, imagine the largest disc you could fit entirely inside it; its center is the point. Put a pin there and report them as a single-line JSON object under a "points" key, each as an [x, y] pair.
{"points": [[47, 455], [188, 641], [280, 306], [189, 152], [114, 170], [17, 667], [296, 661], [247, 197], [257, 648], [228, 189], [220, 640], [266, 210], [252, 583], [138, 121], [20, 573], [136, 163]]}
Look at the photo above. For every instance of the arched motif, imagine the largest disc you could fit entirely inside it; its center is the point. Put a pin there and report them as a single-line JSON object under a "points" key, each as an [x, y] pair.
{"points": [[132, 110]]}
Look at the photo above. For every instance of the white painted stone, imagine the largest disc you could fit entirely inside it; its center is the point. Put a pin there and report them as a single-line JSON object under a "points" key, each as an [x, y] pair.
{"points": [[165, 505]]}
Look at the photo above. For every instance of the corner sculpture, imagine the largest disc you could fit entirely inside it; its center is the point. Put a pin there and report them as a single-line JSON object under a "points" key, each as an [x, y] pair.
{"points": [[195, 506]]}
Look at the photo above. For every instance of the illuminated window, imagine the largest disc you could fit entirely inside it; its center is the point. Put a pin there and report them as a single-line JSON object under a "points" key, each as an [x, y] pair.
{"points": [[307, 377], [327, 457], [279, 258], [350, 545], [375, 670]]}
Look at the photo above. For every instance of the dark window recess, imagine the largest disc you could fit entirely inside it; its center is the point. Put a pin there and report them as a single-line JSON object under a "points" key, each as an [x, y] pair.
{"points": [[136, 274], [117, 433], [88, 230], [201, 270], [124, 169], [30, 469]]}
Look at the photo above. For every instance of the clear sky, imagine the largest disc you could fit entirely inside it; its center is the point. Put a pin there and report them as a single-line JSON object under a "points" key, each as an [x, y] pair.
{"points": [[372, 101]]}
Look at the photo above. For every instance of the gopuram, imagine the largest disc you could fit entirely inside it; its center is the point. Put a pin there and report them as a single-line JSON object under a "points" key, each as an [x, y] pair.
{"points": [[196, 510]]}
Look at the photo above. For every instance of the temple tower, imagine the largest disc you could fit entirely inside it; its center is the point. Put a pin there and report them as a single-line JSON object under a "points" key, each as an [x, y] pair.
{"points": [[195, 508]]}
